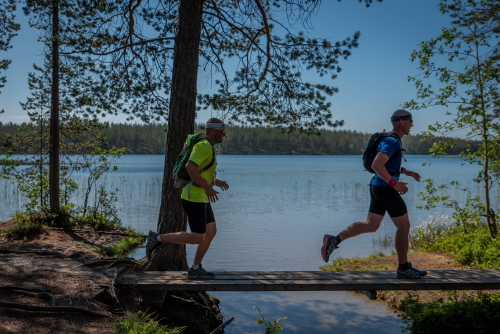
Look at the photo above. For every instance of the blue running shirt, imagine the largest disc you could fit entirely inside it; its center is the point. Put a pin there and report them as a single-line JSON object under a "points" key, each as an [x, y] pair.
{"points": [[391, 147]]}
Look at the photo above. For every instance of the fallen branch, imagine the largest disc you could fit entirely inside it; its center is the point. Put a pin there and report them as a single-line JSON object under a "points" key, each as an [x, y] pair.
{"points": [[37, 294], [98, 232], [14, 287], [222, 326], [52, 309], [107, 261]]}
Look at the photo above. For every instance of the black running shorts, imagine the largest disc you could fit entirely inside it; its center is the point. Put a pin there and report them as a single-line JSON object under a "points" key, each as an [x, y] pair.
{"points": [[199, 215], [386, 199]]}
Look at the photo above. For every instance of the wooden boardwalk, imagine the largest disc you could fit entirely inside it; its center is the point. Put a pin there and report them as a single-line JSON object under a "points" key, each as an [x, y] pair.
{"points": [[320, 281]]}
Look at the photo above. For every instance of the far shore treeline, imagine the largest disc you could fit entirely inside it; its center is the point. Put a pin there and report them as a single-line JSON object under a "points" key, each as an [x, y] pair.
{"points": [[245, 140]]}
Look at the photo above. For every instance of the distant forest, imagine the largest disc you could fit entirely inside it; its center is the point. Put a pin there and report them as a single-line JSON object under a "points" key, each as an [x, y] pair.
{"points": [[243, 140]]}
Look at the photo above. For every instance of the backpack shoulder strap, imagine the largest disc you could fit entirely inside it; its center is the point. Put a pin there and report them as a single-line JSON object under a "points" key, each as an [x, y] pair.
{"points": [[400, 146], [211, 163]]}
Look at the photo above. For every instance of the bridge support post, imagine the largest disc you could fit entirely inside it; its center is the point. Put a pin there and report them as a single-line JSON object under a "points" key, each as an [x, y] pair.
{"points": [[163, 298], [372, 294]]}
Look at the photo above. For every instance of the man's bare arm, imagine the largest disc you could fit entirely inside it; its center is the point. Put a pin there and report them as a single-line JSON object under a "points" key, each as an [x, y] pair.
{"points": [[378, 166], [195, 175]]}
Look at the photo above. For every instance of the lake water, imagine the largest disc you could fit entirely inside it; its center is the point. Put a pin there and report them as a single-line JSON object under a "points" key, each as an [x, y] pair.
{"points": [[274, 217]]}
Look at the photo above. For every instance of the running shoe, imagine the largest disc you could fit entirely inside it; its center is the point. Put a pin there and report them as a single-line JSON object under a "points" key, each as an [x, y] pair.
{"points": [[199, 273], [329, 245], [410, 273], [151, 243]]}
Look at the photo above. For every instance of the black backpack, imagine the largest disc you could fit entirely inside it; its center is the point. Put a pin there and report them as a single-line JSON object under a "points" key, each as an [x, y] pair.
{"points": [[369, 154]]}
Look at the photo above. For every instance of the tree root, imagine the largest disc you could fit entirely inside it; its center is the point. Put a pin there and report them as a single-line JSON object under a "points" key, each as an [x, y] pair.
{"points": [[37, 294], [52, 309], [108, 261], [113, 281]]}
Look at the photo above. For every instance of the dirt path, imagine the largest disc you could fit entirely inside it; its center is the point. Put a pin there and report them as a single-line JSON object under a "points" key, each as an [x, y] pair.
{"points": [[64, 269], [62, 265]]}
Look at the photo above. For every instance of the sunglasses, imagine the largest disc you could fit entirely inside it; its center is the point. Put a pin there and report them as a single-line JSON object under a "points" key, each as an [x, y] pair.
{"points": [[404, 118], [223, 131]]}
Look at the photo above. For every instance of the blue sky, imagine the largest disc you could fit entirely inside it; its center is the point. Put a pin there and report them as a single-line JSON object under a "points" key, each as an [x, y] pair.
{"points": [[373, 82]]}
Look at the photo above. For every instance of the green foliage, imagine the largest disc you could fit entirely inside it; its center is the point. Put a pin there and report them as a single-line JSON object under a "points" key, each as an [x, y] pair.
{"points": [[465, 60], [475, 249], [124, 57], [8, 29], [431, 231], [125, 246], [272, 326], [444, 235], [81, 150], [454, 315], [36, 222], [142, 325], [86, 85], [467, 213], [103, 213]]}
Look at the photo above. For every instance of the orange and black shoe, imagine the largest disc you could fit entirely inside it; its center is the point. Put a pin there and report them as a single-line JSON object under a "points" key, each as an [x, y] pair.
{"points": [[329, 245]]}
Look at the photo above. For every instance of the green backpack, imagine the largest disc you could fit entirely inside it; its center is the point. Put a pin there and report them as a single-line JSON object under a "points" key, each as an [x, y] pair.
{"points": [[180, 174]]}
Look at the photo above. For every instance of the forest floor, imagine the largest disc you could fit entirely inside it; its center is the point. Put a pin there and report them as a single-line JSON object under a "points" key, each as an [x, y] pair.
{"points": [[57, 282]]}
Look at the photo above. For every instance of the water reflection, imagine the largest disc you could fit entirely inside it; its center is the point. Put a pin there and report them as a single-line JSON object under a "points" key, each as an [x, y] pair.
{"points": [[273, 218]]}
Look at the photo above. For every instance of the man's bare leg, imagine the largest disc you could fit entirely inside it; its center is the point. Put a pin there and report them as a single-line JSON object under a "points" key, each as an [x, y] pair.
{"points": [[202, 248], [182, 238], [402, 224], [330, 242], [371, 224]]}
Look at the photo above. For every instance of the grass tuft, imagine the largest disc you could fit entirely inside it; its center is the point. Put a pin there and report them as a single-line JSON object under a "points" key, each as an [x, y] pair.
{"points": [[142, 324], [125, 246]]}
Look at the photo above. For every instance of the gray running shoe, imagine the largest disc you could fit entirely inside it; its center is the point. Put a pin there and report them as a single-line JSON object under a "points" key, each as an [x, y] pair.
{"points": [[151, 243], [199, 273], [410, 273], [329, 245]]}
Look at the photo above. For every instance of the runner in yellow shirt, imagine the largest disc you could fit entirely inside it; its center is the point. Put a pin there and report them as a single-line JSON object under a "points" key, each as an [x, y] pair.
{"points": [[196, 200]]}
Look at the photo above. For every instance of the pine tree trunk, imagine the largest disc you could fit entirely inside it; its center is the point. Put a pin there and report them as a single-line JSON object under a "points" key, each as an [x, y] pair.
{"points": [[54, 114], [181, 121]]}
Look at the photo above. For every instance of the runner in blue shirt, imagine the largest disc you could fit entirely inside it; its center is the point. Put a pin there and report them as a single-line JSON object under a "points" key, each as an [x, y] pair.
{"points": [[385, 193]]}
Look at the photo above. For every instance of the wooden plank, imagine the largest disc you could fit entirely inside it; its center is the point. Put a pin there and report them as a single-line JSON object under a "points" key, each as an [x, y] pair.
{"points": [[469, 274], [323, 281], [324, 277], [332, 286]]}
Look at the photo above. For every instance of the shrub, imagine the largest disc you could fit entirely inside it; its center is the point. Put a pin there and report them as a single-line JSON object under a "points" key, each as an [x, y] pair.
{"points": [[473, 248], [464, 314]]}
